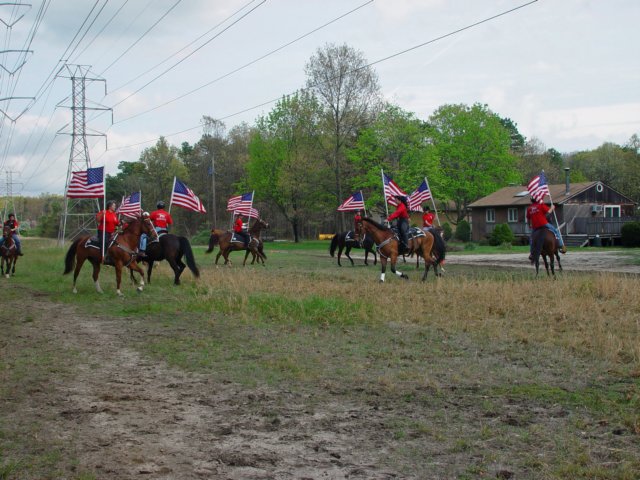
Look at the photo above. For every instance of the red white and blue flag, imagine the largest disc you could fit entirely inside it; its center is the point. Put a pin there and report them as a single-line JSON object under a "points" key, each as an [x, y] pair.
{"points": [[248, 211], [419, 196], [240, 201], [538, 187], [130, 206], [354, 202], [391, 189], [185, 198], [87, 183]]}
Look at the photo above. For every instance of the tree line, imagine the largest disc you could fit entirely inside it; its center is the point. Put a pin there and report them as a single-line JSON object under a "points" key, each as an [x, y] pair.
{"points": [[332, 137]]}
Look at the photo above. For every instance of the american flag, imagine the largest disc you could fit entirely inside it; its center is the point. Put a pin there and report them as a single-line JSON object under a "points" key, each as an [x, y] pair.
{"points": [[391, 189], [185, 198], [130, 206], [248, 211], [87, 183], [538, 187], [419, 196], [354, 202], [240, 201]]}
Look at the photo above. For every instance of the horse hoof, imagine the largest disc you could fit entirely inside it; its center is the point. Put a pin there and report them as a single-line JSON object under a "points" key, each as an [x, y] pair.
{"points": [[139, 289]]}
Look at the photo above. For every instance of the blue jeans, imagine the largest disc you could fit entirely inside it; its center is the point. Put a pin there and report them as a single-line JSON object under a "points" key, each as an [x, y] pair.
{"points": [[144, 238], [555, 231]]}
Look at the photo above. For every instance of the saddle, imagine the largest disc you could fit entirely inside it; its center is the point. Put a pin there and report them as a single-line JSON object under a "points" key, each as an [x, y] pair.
{"points": [[235, 238]]}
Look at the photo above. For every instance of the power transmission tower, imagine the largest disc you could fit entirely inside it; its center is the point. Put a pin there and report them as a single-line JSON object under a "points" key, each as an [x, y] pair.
{"points": [[9, 204], [78, 217]]}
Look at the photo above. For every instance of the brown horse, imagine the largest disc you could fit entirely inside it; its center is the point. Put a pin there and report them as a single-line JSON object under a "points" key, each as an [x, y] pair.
{"points": [[387, 244], [544, 243], [9, 253], [121, 249], [228, 243]]}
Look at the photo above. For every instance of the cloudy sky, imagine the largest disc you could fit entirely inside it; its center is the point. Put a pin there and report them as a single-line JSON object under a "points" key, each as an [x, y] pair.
{"points": [[565, 71]]}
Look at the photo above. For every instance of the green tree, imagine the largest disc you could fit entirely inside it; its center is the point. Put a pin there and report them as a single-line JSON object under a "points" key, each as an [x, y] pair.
{"points": [[162, 163], [284, 167], [474, 151], [349, 93]]}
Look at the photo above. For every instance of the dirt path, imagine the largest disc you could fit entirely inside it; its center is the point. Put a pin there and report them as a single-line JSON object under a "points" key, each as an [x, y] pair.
{"points": [[584, 261], [125, 417]]}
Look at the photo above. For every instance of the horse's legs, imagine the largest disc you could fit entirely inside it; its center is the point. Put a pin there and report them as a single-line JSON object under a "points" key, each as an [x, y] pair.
{"points": [[546, 263], [553, 266], [149, 270], [346, 252], [13, 267], [218, 255], [246, 255], [176, 270], [366, 255], [383, 262], [558, 258], [134, 267], [339, 254], [394, 259], [96, 273]]}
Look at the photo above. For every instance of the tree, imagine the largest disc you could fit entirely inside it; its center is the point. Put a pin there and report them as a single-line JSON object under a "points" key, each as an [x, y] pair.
{"points": [[284, 167], [535, 157], [474, 151], [162, 163], [349, 93]]}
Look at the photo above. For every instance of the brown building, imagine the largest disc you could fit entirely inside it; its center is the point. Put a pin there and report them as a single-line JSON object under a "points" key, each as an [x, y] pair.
{"points": [[586, 212]]}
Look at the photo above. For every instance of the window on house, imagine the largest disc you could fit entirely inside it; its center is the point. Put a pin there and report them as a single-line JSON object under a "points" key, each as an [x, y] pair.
{"points": [[512, 215], [612, 211], [491, 215]]}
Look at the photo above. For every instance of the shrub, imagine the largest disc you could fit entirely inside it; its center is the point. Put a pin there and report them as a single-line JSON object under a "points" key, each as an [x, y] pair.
{"points": [[501, 234], [201, 237], [463, 231], [631, 234], [446, 229]]}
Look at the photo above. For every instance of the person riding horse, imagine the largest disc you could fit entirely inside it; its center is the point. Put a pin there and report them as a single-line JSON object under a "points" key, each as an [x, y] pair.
{"points": [[107, 224], [161, 220], [13, 224], [536, 216], [402, 214], [239, 230]]}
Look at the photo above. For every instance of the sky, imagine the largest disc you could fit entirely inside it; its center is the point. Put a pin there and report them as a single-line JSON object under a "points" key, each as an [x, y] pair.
{"points": [[567, 72]]}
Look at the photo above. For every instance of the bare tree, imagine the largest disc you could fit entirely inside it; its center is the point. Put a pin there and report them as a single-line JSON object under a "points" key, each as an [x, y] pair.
{"points": [[349, 92]]}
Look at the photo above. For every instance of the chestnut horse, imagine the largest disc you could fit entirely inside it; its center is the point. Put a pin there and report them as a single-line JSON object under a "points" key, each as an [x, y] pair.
{"points": [[121, 249], [544, 243], [387, 245], [228, 243], [9, 253]]}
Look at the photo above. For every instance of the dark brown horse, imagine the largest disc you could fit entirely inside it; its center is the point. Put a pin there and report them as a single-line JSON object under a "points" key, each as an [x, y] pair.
{"points": [[9, 253], [171, 248], [345, 241], [228, 243], [387, 244], [121, 249], [544, 243]]}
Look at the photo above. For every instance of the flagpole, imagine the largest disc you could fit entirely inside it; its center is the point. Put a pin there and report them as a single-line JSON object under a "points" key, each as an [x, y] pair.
{"points": [[172, 190], [104, 217], [384, 193], [250, 208], [433, 201], [363, 205], [555, 217]]}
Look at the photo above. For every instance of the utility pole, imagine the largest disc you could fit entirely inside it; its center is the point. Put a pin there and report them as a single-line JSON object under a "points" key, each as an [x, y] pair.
{"points": [[78, 217], [9, 204], [213, 188]]}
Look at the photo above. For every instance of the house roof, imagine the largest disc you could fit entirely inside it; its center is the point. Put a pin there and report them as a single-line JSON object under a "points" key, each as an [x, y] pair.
{"points": [[519, 196]]}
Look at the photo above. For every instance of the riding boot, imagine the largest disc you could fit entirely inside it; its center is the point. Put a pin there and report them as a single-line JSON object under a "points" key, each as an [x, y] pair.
{"points": [[108, 260], [19, 252], [563, 249], [142, 255]]}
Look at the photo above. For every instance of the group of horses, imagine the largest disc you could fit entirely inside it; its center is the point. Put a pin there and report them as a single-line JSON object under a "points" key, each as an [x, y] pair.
{"points": [[122, 251]]}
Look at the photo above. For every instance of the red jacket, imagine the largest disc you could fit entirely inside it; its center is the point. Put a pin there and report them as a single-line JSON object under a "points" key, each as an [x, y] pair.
{"points": [[401, 212], [427, 219], [107, 221], [237, 225], [161, 218]]}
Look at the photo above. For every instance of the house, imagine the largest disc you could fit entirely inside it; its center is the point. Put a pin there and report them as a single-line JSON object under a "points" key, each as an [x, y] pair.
{"points": [[586, 212]]}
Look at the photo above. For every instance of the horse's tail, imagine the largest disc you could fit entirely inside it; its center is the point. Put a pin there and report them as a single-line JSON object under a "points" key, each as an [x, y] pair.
{"points": [[188, 253], [334, 245], [214, 239], [440, 246], [70, 259]]}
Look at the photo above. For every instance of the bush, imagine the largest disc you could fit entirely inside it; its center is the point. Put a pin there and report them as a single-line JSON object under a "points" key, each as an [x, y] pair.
{"points": [[463, 231], [631, 234], [501, 234], [201, 237], [446, 229]]}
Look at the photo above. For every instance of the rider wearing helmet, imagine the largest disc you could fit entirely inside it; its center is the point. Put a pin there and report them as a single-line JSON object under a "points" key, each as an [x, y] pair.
{"points": [[13, 224], [402, 214], [161, 220]]}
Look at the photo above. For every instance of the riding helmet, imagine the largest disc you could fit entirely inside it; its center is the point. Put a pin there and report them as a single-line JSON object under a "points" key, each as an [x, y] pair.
{"points": [[160, 204]]}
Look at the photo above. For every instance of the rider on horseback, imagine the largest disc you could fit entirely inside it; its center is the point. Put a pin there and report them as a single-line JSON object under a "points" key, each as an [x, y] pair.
{"points": [[13, 224], [537, 217], [402, 214], [239, 229], [107, 223], [161, 220]]}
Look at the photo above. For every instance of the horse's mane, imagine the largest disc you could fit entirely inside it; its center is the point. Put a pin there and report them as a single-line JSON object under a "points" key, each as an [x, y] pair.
{"points": [[375, 224]]}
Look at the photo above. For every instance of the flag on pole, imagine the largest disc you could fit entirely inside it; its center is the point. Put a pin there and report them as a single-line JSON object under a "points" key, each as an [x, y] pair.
{"points": [[419, 196], [391, 189], [248, 211], [354, 202], [538, 187], [185, 198], [87, 183], [240, 201], [130, 206]]}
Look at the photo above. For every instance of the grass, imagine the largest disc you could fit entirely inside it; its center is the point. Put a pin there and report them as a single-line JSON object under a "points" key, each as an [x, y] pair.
{"points": [[490, 367]]}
